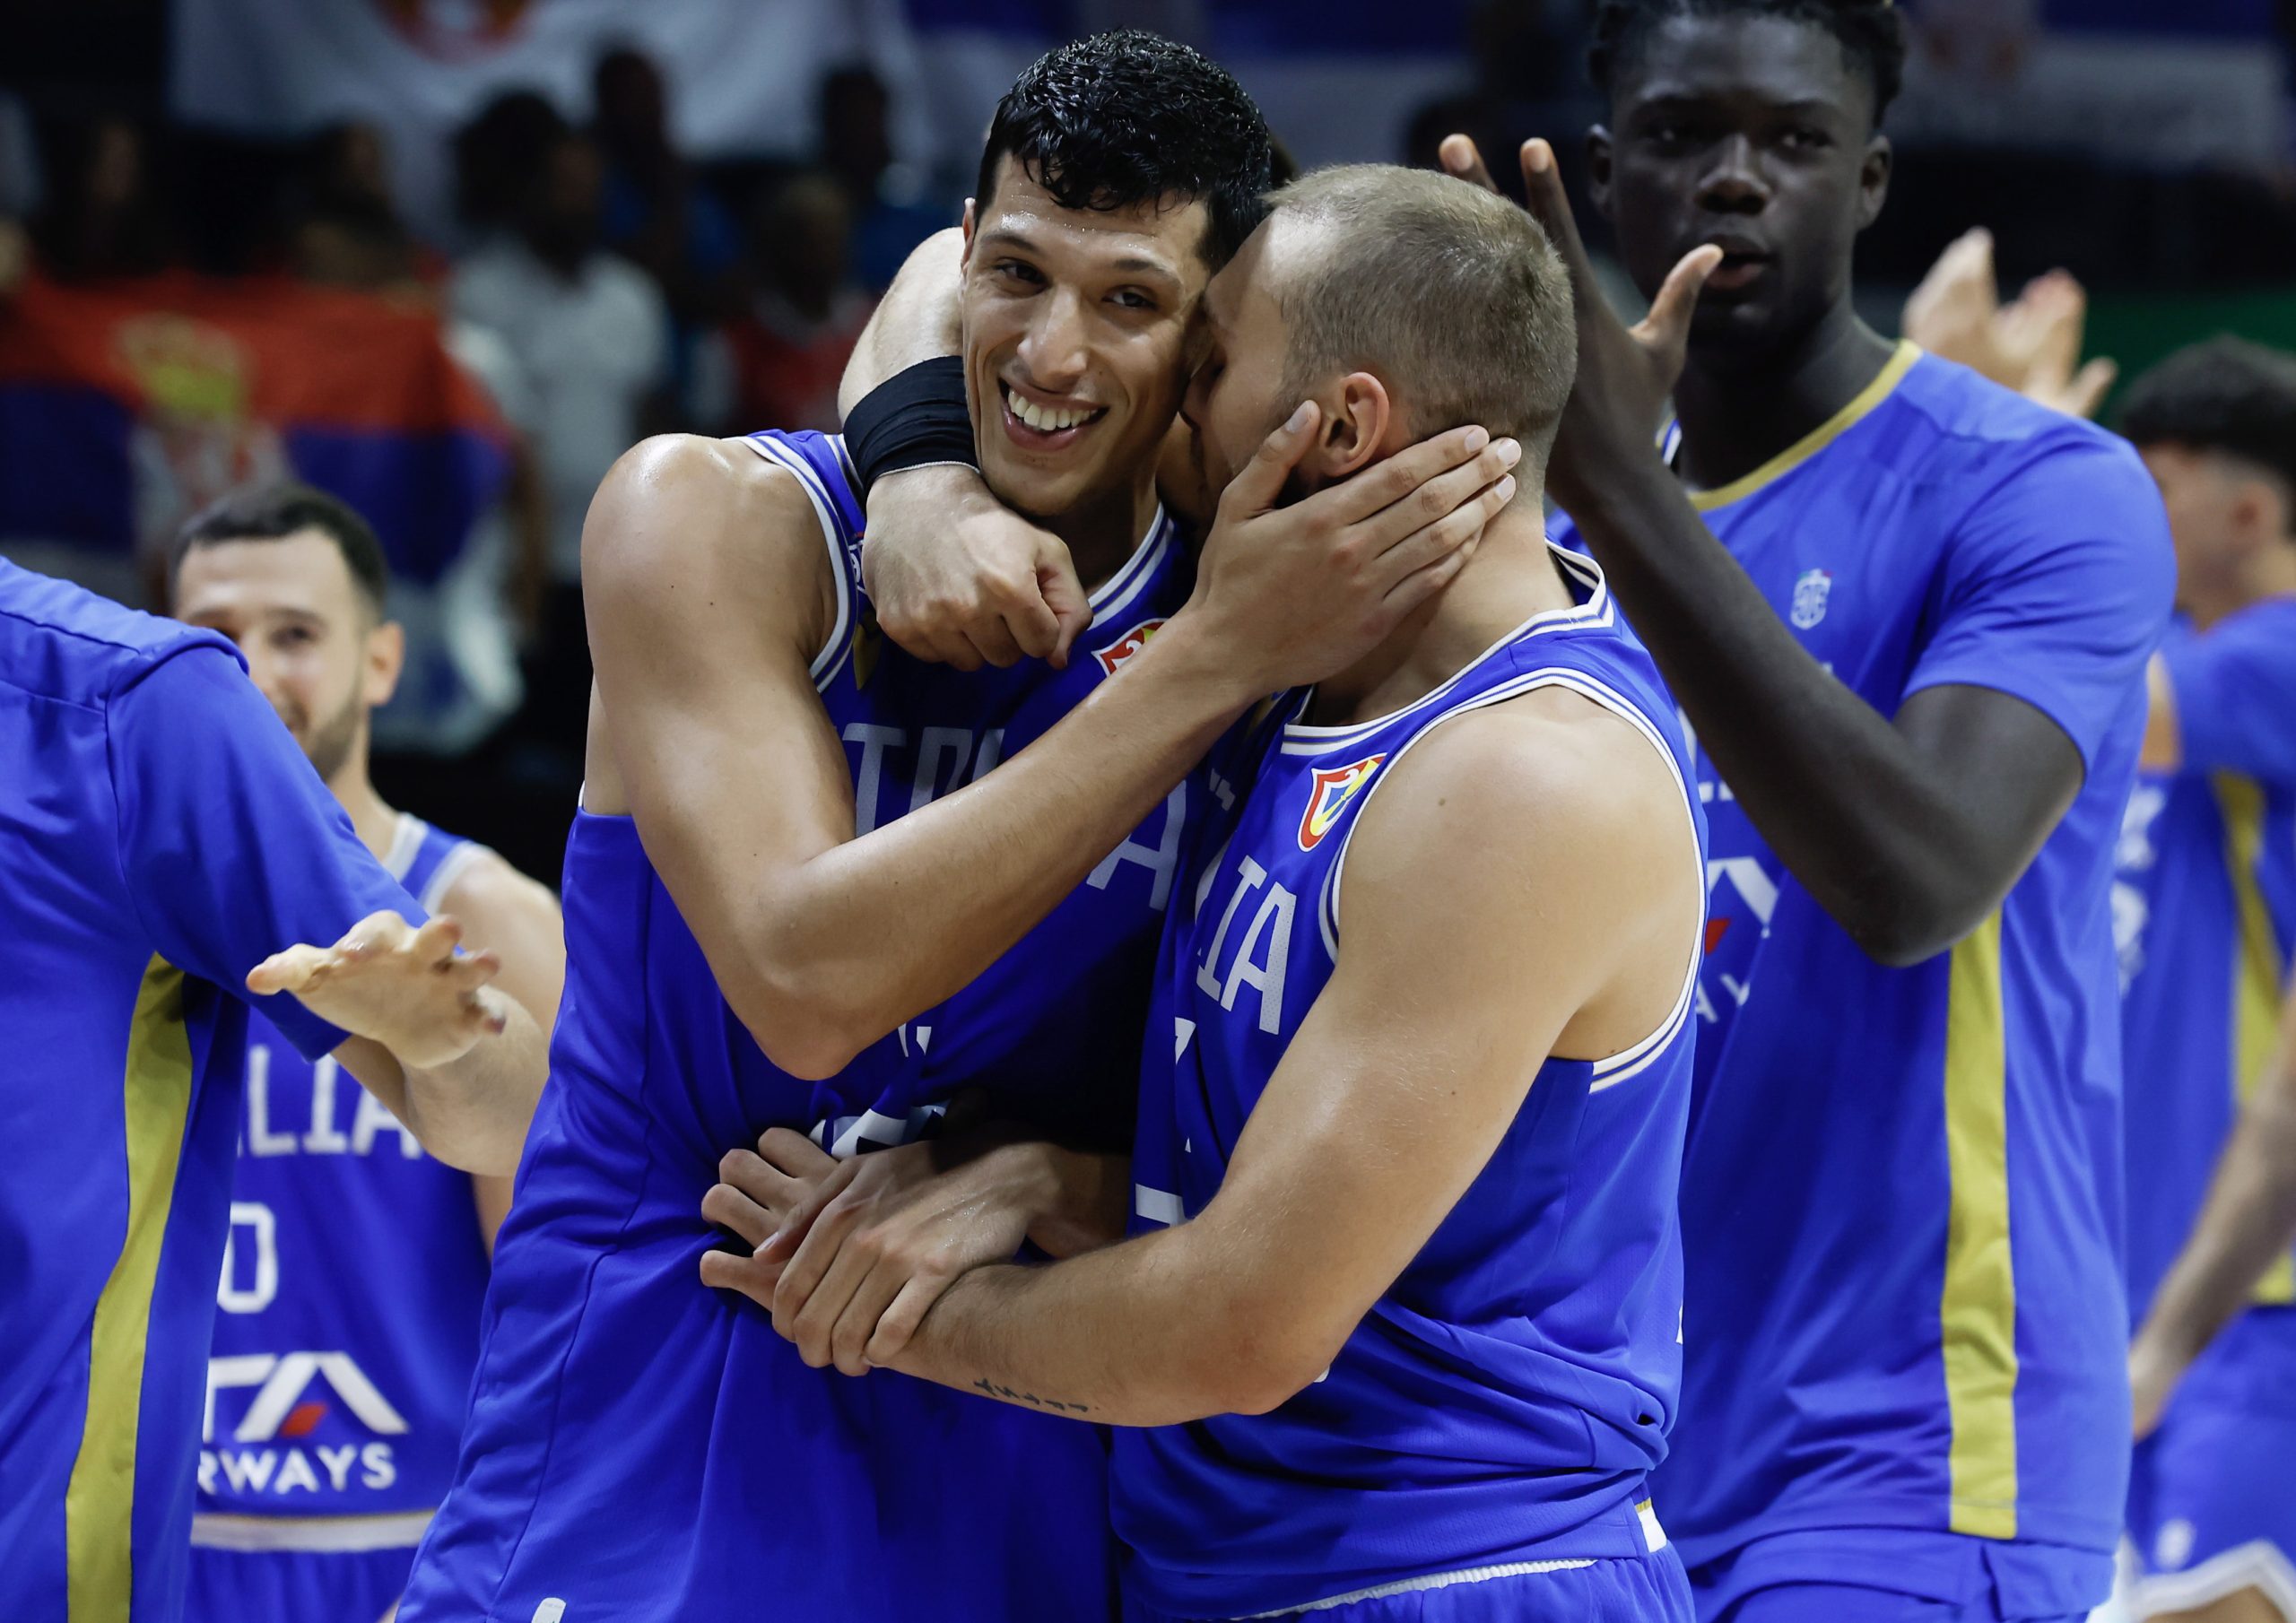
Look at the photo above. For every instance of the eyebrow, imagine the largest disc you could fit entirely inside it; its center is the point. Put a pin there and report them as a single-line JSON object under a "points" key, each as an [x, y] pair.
{"points": [[1130, 264]]}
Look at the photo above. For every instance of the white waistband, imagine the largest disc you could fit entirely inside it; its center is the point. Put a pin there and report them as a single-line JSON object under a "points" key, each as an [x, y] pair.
{"points": [[399, 1530]]}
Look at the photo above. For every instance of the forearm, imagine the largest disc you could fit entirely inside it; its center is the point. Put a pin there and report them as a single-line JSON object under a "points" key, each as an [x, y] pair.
{"points": [[472, 1112], [1851, 806], [2249, 1221], [1121, 1336], [868, 934], [916, 320], [1087, 1198]]}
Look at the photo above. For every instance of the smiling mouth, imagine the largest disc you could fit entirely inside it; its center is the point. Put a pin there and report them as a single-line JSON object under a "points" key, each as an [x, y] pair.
{"points": [[1041, 427]]}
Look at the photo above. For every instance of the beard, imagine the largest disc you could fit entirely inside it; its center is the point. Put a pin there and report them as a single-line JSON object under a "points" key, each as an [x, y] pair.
{"points": [[331, 742]]}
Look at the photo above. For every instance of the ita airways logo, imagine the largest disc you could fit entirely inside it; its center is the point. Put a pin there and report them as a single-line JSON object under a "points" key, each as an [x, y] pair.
{"points": [[1124, 646], [1810, 595], [1335, 786]]}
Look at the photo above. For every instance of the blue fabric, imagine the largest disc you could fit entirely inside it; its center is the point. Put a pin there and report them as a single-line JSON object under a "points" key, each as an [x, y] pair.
{"points": [[645, 1449], [2214, 1477], [1895, 1575], [294, 1585], [151, 807], [1945, 531], [1647, 1589], [1504, 1399]]}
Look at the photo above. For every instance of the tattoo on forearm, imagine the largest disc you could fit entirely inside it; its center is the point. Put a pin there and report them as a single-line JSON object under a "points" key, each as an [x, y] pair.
{"points": [[1054, 1404]]}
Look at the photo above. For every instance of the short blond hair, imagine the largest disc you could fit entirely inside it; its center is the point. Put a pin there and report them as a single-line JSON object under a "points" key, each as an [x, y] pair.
{"points": [[1448, 293]]}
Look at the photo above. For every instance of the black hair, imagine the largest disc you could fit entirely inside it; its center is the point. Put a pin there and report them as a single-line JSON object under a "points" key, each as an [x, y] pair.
{"points": [[1124, 119], [274, 512], [1870, 33], [2225, 394]]}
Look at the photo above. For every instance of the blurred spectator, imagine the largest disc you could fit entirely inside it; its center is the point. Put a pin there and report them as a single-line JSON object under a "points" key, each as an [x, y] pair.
{"points": [[590, 335], [657, 215], [777, 365], [496, 155], [101, 216], [1527, 61], [892, 213], [345, 231]]}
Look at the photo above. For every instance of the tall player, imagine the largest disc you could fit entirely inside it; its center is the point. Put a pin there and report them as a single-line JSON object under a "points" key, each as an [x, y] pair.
{"points": [[1906, 613], [2206, 913], [798, 895], [348, 1324], [159, 836], [1400, 1319]]}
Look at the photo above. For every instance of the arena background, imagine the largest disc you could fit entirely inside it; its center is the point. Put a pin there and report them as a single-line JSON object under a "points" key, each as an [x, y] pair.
{"points": [[235, 238]]}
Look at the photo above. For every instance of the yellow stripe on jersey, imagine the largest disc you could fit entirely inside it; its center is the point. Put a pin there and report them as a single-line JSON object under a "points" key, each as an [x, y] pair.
{"points": [[1818, 439], [2258, 975], [1978, 1309], [100, 1504]]}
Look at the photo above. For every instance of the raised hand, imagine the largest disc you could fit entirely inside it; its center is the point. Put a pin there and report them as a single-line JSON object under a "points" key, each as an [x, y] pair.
{"points": [[1296, 594], [2031, 344], [405, 988], [957, 577], [1625, 373]]}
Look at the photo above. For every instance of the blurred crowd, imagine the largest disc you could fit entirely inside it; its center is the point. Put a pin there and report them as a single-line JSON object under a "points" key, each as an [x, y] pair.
{"points": [[597, 283]]}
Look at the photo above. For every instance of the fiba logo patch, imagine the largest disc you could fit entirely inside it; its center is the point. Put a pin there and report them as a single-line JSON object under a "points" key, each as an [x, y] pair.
{"points": [[1810, 594], [1333, 788], [1124, 646]]}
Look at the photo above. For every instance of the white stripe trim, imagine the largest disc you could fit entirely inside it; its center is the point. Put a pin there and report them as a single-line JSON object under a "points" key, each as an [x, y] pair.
{"points": [[2259, 1565], [329, 1535], [1441, 1580], [823, 665], [1595, 613], [406, 844], [1630, 1062], [1158, 1205], [1122, 589], [451, 868]]}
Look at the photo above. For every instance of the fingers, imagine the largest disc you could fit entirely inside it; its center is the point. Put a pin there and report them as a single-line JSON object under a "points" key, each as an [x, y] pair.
{"points": [[1259, 485], [2089, 388], [1427, 561], [1668, 322], [435, 942], [810, 1238], [792, 1152], [857, 1323], [1551, 207], [296, 969], [773, 1190], [1383, 487], [897, 1325], [806, 1316], [1066, 599], [471, 970], [723, 1270], [732, 1209], [994, 641], [1462, 162]]}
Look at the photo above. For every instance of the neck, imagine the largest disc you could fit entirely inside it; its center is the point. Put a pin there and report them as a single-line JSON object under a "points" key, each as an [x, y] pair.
{"points": [[1104, 531], [1510, 577], [372, 818], [1739, 411], [2270, 573]]}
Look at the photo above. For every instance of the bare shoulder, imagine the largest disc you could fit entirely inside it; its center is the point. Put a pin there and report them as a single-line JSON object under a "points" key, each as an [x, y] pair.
{"points": [[490, 890], [684, 512]]}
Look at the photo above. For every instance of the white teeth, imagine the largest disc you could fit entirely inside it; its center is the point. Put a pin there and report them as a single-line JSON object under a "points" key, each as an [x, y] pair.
{"points": [[1045, 420]]}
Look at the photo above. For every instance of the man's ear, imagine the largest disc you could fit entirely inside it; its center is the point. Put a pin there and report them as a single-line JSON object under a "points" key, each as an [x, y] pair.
{"points": [[386, 659], [964, 261], [1873, 180], [2258, 513], [1357, 415], [1598, 170]]}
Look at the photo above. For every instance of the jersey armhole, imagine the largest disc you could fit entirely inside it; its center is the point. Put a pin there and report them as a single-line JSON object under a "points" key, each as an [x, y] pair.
{"points": [[824, 666], [1627, 1061]]}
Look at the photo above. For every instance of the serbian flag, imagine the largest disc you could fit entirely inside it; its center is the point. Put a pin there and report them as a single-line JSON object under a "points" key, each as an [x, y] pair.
{"points": [[126, 406]]}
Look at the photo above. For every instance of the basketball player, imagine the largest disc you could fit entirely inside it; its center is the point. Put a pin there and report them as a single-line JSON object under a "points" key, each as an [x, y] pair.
{"points": [[1906, 613], [319, 1467], [159, 836], [1399, 1322], [797, 895], [2204, 911]]}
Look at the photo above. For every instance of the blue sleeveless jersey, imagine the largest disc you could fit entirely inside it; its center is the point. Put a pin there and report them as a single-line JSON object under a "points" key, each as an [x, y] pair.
{"points": [[347, 1317], [2204, 913], [640, 1447], [1503, 1400], [1901, 1201]]}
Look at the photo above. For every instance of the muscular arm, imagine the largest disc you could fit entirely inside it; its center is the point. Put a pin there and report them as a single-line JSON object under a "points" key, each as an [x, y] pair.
{"points": [[915, 320], [1907, 829], [503, 910], [2248, 1223], [472, 1112], [1519, 889], [704, 573]]}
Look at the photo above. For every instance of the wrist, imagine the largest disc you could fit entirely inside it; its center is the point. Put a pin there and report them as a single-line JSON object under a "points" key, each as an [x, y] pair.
{"points": [[1200, 669]]}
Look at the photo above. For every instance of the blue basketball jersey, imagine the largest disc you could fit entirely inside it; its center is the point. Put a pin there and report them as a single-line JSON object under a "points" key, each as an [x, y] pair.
{"points": [[347, 1321], [1901, 1201], [2204, 913], [640, 1447], [1502, 1402]]}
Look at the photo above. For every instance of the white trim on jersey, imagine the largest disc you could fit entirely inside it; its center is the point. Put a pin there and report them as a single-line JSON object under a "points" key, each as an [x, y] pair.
{"points": [[451, 867], [1596, 612], [1441, 1580], [2259, 1565], [1122, 589], [327, 1535], [825, 664], [1628, 1062], [406, 844]]}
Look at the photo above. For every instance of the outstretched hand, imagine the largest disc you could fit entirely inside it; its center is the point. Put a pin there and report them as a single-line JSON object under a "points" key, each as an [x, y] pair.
{"points": [[2031, 344], [405, 988], [1625, 373]]}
